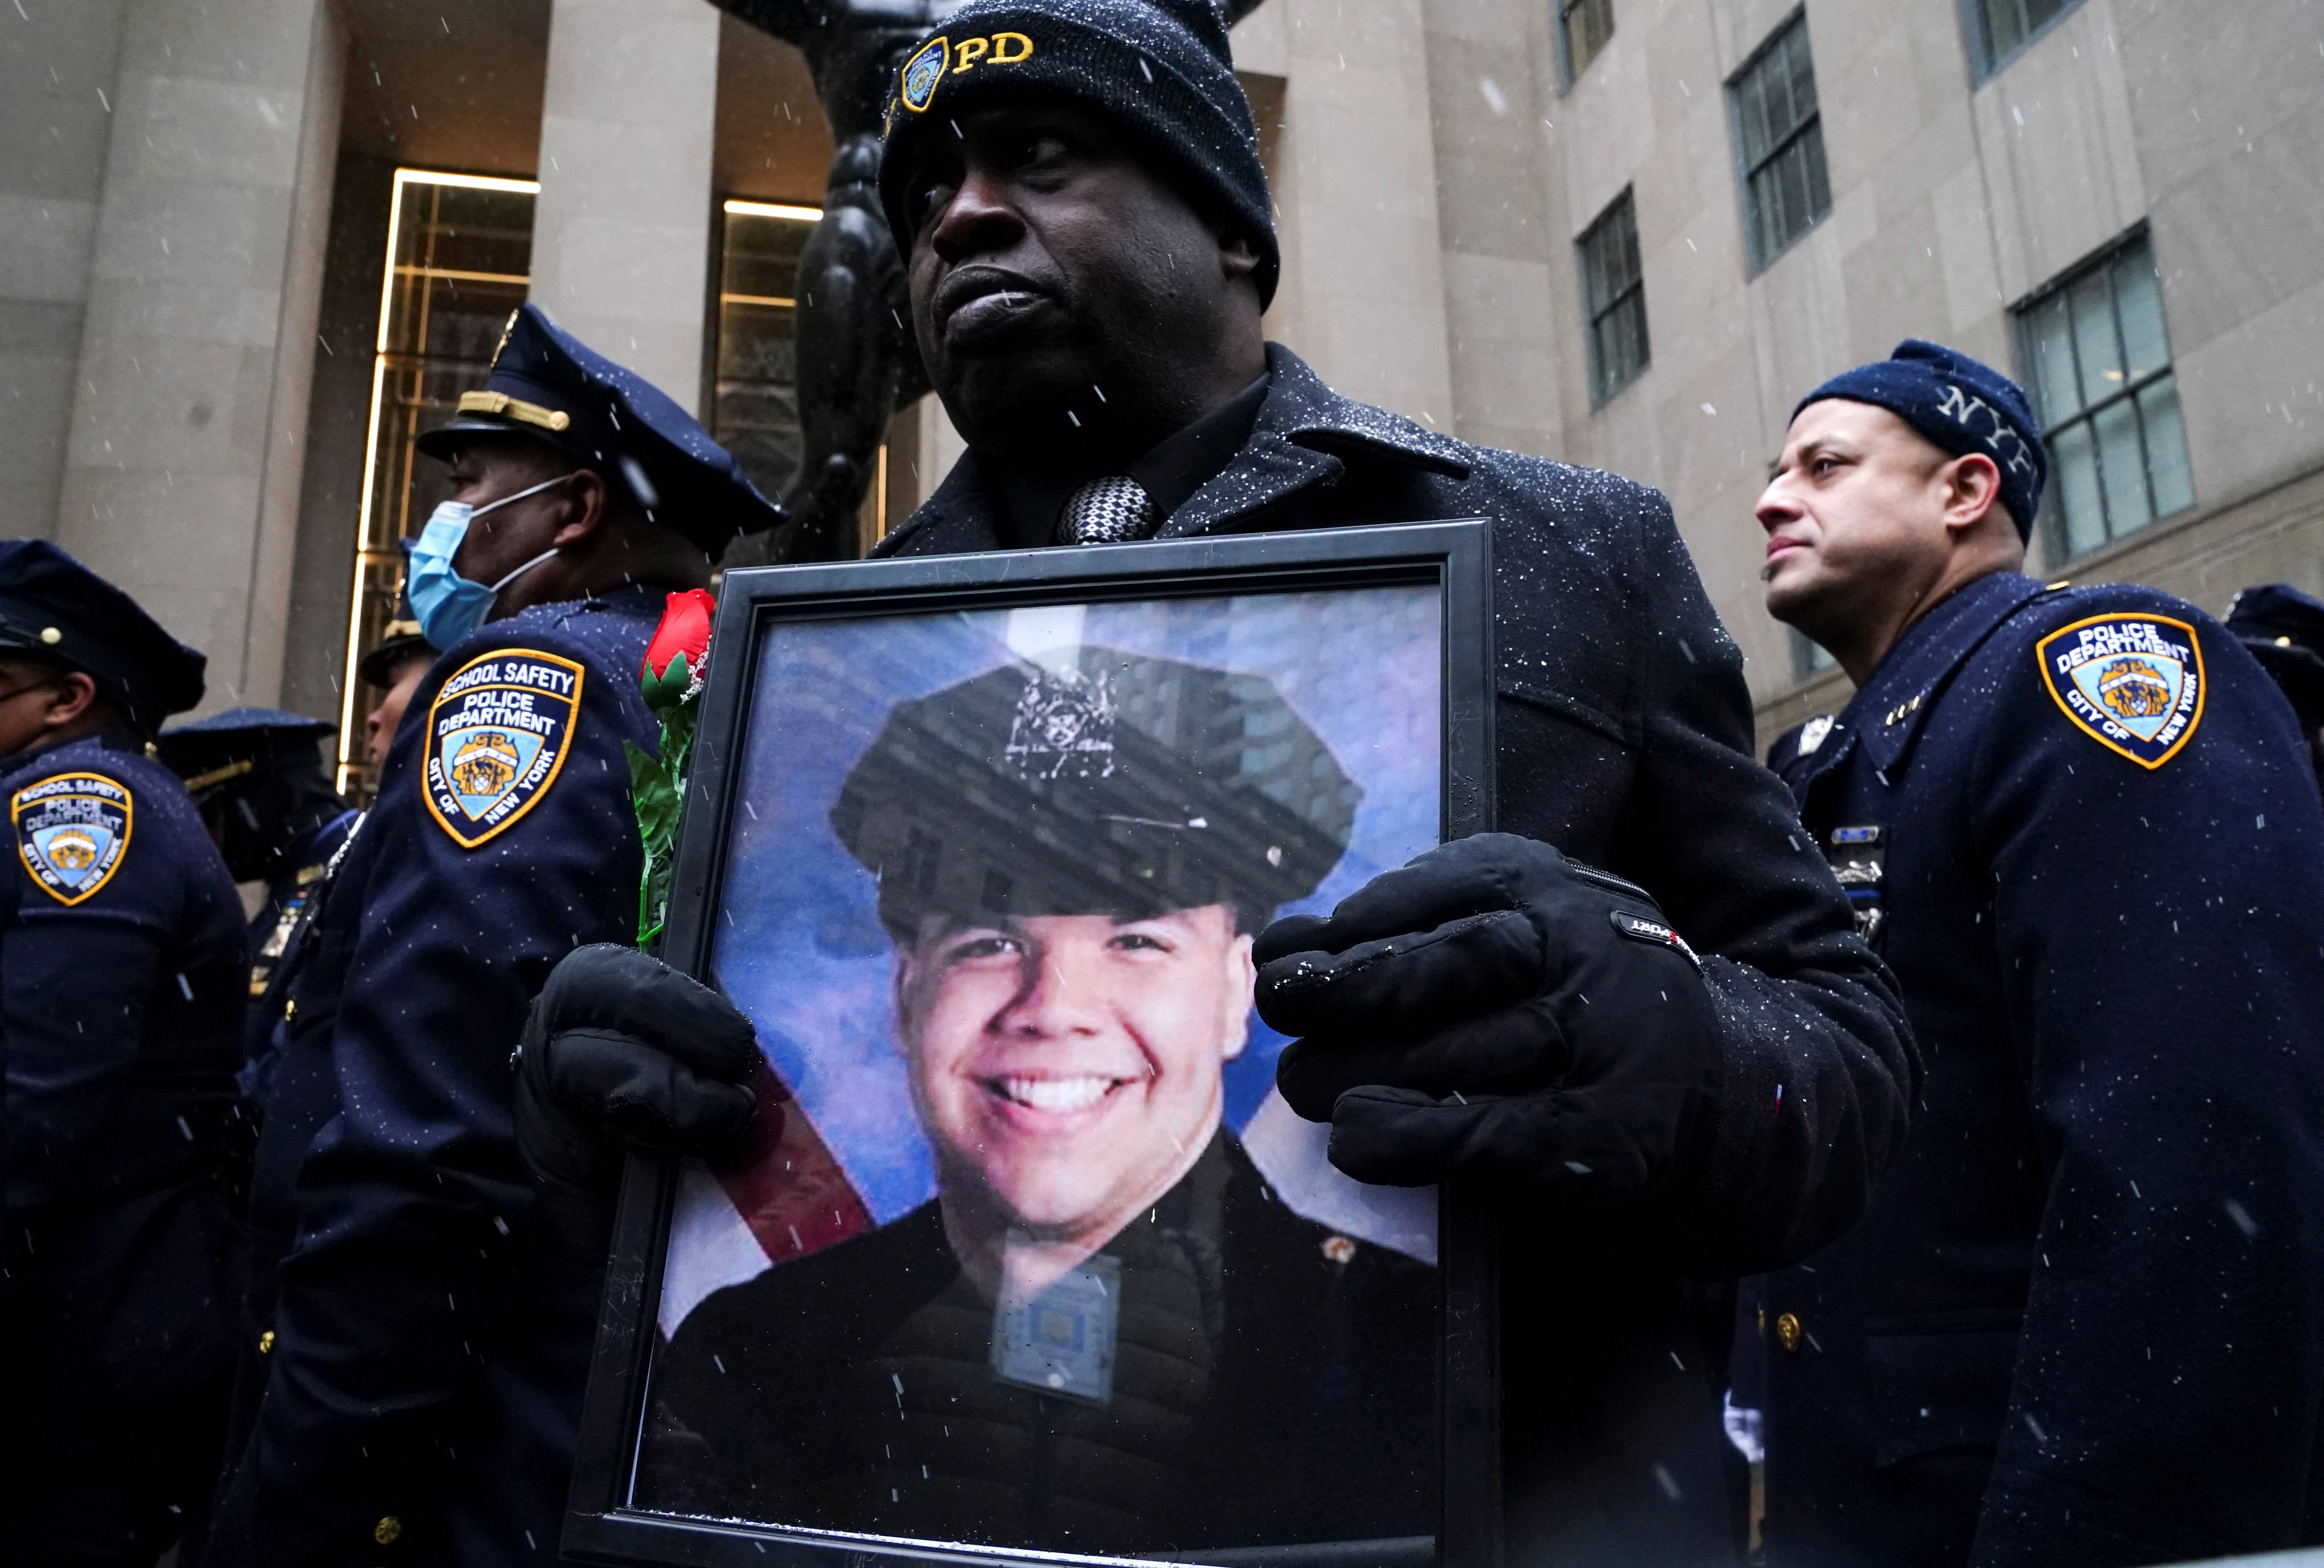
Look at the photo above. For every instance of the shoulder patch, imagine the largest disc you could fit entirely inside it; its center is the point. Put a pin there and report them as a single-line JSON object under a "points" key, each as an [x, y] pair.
{"points": [[71, 831], [2134, 683], [497, 736]]}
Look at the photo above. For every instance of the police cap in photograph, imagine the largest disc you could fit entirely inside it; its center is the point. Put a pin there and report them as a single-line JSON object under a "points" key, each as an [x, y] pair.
{"points": [[1115, 783]]}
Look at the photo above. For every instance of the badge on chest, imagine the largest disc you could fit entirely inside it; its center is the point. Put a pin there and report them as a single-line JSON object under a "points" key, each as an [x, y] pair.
{"points": [[1859, 857], [71, 832], [497, 736]]}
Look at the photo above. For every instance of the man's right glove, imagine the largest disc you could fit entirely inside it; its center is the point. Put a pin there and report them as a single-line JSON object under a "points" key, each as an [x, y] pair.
{"points": [[622, 1051], [1494, 1009]]}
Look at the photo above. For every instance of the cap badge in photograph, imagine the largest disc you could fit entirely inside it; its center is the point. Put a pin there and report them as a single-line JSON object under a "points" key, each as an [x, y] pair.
{"points": [[1061, 725]]}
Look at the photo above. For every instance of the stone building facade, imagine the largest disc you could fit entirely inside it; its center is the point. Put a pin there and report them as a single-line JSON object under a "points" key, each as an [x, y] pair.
{"points": [[1627, 233]]}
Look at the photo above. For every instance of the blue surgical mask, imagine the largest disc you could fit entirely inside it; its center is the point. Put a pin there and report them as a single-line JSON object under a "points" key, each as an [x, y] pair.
{"points": [[449, 605]]}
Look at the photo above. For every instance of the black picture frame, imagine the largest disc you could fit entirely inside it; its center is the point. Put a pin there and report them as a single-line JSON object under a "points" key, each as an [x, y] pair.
{"points": [[1452, 557]]}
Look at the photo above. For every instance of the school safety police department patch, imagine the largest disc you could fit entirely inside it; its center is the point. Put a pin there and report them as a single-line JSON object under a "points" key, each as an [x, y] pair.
{"points": [[71, 831], [2134, 683], [497, 736]]}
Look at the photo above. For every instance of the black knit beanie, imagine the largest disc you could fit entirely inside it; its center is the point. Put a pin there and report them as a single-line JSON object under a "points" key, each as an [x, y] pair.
{"points": [[1159, 68], [1960, 405]]}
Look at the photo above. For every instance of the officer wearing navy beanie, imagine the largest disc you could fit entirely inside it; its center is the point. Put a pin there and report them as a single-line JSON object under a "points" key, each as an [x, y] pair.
{"points": [[1077, 186], [121, 979], [2081, 1323]]}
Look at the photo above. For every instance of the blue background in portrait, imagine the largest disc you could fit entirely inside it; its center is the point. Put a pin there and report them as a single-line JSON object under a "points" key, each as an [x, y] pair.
{"points": [[800, 946]]}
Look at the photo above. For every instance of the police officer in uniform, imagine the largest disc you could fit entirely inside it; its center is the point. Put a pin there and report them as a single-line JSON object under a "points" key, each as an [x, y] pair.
{"points": [[2284, 630], [1240, 1375], [394, 667], [123, 968], [1077, 184], [258, 777], [424, 1378], [2081, 1323]]}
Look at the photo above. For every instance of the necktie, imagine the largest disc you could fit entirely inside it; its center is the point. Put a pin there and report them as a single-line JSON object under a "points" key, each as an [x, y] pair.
{"points": [[1106, 511]]}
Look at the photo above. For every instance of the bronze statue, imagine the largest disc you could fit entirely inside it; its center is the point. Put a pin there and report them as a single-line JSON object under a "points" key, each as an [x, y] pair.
{"points": [[857, 362]]}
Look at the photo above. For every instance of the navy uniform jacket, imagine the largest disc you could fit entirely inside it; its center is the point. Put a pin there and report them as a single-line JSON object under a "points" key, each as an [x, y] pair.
{"points": [[1623, 729], [123, 965], [854, 1390], [2084, 1322], [271, 929], [122, 975], [432, 1337]]}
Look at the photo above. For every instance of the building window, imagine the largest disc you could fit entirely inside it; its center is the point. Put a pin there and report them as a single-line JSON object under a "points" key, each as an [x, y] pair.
{"points": [[1584, 26], [1998, 28], [459, 253], [1614, 294], [754, 401], [1780, 138], [2108, 400]]}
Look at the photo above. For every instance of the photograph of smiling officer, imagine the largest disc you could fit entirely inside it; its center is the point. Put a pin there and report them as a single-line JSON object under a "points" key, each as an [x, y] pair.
{"points": [[1106, 1332]]}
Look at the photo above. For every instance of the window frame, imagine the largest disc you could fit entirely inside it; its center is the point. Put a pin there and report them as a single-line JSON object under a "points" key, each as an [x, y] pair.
{"points": [[2051, 521], [1568, 73], [1756, 261], [1601, 392], [1983, 65]]}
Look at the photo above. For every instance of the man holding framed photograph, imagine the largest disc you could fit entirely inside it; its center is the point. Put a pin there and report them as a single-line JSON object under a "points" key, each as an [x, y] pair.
{"points": [[1103, 1269], [1091, 247]]}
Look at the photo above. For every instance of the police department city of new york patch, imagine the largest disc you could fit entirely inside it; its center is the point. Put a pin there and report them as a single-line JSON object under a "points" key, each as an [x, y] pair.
{"points": [[72, 830], [497, 736], [2134, 683]]}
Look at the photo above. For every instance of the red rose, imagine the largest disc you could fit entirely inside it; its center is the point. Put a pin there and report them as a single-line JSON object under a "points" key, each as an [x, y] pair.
{"points": [[684, 631]]}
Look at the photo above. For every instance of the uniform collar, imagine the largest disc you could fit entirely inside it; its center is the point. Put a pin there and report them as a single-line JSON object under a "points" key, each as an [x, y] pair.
{"points": [[1303, 435], [114, 740], [1888, 711]]}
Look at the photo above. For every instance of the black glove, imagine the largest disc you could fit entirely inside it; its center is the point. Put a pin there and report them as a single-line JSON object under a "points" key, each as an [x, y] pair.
{"points": [[1494, 1009], [620, 1050]]}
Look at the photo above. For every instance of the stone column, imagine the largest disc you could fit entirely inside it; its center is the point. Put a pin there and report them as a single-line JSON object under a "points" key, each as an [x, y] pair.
{"points": [[1362, 295], [621, 236], [188, 420]]}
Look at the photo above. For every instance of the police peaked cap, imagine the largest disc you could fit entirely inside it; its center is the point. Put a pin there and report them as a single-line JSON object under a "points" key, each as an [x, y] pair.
{"points": [[2284, 628], [1124, 785], [547, 385], [53, 606], [1161, 70], [240, 741]]}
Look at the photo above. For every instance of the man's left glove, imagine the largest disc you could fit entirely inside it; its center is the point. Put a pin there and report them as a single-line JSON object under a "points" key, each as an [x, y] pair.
{"points": [[620, 1051], [1493, 1009]]}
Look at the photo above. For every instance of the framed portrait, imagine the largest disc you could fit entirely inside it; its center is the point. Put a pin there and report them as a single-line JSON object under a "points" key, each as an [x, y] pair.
{"points": [[1028, 1260]]}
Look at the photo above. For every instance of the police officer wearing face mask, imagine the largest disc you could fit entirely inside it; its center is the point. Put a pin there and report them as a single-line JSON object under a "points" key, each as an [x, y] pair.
{"points": [[122, 970], [426, 1356], [1091, 246]]}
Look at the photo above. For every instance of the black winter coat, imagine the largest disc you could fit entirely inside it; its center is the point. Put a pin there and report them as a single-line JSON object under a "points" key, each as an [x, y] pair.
{"points": [[1624, 738]]}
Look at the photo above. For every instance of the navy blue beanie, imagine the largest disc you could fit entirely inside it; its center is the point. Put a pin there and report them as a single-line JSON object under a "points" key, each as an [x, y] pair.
{"points": [[1160, 69], [1961, 406]]}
